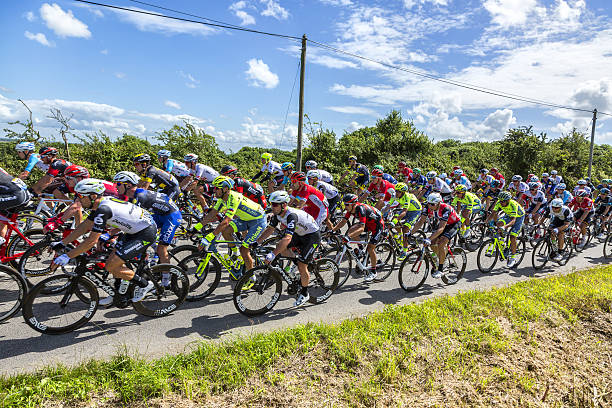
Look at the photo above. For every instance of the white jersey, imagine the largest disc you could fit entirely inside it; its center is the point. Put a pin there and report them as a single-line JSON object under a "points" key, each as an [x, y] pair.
{"points": [[296, 221], [441, 186], [273, 168], [522, 187], [328, 190], [325, 176], [203, 172], [537, 197], [115, 213], [177, 168], [555, 180]]}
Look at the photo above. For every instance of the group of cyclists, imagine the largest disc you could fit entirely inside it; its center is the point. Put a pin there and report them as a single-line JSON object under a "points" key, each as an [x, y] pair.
{"points": [[139, 206]]}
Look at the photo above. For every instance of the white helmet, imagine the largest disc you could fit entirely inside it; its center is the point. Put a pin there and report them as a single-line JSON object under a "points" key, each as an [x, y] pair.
{"points": [[191, 157], [432, 174], [127, 177], [313, 174], [311, 163], [557, 202], [280, 196], [24, 146], [458, 172], [90, 186], [434, 198]]}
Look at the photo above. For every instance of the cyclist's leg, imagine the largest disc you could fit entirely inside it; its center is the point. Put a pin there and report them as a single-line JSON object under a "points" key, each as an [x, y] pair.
{"points": [[168, 226], [254, 231], [11, 202]]}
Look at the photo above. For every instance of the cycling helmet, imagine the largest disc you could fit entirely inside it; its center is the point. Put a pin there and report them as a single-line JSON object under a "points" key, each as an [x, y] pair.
{"points": [[287, 166], [223, 181], [416, 170], [378, 167], [266, 156], [556, 203], [76, 171], [517, 177], [484, 171], [582, 193], [313, 174], [127, 177], [228, 169], [494, 170], [163, 153], [377, 173], [401, 164], [460, 188], [534, 185], [553, 173], [349, 198], [588, 179], [311, 163], [141, 158], [604, 191], [456, 167], [48, 151], [561, 186], [401, 187], [457, 172], [191, 157], [279, 197], [431, 175], [90, 186], [443, 176], [534, 179], [504, 196], [24, 146], [495, 183], [582, 182], [545, 175], [434, 198], [297, 177]]}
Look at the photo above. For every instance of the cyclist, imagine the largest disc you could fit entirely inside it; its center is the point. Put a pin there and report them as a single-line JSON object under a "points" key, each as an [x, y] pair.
{"points": [[484, 178], [164, 182], [418, 182], [435, 184], [239, 214], [514, 215], [300, 233], [48, 155], [444, 177], [165, 212], [368, 219], [582, 185], [385, 176], [582, 206], [490, 193], [324, 176], [518, 187], [404, 173], [250, 190], [448, 225], [13, 194], [460, 178], [357, 175], [199, 179], [272, 172], [602, 205], [25, 151], [555, 179], [537, 201], [287, 168], [562, 216], [562, 193], [330, 192], [308, 198], [409, 208], [106, 212], [469, 204], [383, 189], [171, 166], [498, 176]]}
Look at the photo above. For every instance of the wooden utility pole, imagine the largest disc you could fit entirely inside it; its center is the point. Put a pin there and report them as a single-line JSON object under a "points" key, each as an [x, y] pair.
{"points": [[301, 108], [592, 141]]}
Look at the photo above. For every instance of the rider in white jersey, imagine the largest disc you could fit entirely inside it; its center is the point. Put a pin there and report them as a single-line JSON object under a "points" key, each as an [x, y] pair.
{"points": [[198, 173]]}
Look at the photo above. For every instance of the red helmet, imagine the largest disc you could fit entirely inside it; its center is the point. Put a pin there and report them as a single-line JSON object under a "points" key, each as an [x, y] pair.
{"points": [[76, 171], [48, 151], [401, 164], [229, 170], [494, 169], [298, 176], [377, 173], [456, 167]]}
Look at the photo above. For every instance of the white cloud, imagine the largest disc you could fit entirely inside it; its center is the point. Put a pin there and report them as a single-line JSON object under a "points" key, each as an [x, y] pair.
{"points": [[238, 9], [63, 23], [506, 13], [191, 81], [260, 75], [337, 2], [30, 16], [253, 111], [104, 52], [273, 9], [39, 37], [411, 3], [151, 23], [352, 110], [120, 75], [171, 104], [495, 124], [353, 126], [140, 128]]}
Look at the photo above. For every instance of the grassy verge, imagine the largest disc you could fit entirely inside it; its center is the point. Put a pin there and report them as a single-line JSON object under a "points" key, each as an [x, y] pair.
{"points": [[536, 342]]}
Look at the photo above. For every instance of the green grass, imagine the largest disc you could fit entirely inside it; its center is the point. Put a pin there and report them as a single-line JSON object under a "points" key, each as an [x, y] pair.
{"points": [[458, 330]]}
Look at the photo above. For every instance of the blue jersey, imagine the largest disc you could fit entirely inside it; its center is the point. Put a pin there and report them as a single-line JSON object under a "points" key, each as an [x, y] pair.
{"points": [[419, 180], [35, 161], [389, 178]]}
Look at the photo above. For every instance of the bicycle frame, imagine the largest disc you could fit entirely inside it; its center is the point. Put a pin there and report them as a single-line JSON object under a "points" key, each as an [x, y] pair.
{"points": [[12, 227], [42, 205]]}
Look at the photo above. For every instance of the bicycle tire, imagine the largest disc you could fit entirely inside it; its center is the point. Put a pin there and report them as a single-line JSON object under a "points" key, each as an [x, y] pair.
{"points": [[18, 244], [252, 286], [541, 254], [345, 265], [587, 237], [385, 260], [35, 263], [521, 249], [413, 271], [13, 289], [454, 266], [202, 283], [162, 301], [324, 278], [487, 247], [36, 301], [29, 221], [607, 248]]}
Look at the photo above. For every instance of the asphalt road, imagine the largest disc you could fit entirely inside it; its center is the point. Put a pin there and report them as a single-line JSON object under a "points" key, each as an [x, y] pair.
{"points": [[23, 349]]}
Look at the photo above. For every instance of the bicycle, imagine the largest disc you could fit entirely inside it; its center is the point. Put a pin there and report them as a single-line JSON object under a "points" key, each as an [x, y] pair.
{"points": [[607, 248], [549, 245], [577, 236], [498, 248], [14, 247], [415, 268], [63, 303], [263, 285], [13, 289]]}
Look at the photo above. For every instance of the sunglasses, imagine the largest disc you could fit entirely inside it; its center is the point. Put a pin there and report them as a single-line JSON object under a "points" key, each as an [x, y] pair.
{"points": [[276, 204]]}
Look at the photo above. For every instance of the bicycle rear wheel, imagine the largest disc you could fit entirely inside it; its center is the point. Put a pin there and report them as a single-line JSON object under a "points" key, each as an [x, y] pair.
{"points": [[413, 271], [53, 306], [454, 265], [607, 249], [488, 254], [476, 235], [162, 301], [324, 278], [385, 260], [13, 289], [257, 291], [541, 254], [204, 276]]}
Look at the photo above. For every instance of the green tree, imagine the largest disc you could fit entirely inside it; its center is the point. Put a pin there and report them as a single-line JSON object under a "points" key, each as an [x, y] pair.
{"points": [[520, 150]]}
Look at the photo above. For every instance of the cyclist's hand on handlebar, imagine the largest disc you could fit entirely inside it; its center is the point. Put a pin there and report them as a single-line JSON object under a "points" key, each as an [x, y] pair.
{"points": [[60, 260], [57, 246]]}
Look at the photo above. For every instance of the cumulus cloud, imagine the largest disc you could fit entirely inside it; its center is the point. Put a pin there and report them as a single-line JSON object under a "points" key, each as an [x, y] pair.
{"points": [[273, 9], [353, 126], [506, 13], [238, 9], [62, 23], [495, 124], [172, 104], [30, 16], [39, 37], [149, 23], [260, 75]]}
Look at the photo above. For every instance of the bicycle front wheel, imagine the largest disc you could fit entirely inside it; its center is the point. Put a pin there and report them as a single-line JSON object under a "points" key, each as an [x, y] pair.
{"points": [[324, 278], [163, 300], [454, 265], [541, 254], [257, 291], [12, 292], [204, 275], [60, 304], [487, 255], [385, 260], [344, 261], [413, 271]]}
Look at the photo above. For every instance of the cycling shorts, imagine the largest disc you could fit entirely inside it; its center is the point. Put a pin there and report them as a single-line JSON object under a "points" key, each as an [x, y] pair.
{"points": [[579, 213], [168, 225], [377, 233], [518, 224], [471, 207], [557, 222], [411, 216], [333, 204], [254, 229], [14, 200], [305, 246], [451, 230], [130, 246]]}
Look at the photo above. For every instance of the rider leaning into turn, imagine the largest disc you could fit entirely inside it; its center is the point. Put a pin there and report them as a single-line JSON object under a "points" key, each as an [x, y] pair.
{"points": [[514, 215]]}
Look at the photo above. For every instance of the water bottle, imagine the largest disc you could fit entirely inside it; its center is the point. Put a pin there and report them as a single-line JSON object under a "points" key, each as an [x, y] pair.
{"points": [[123, 286]]}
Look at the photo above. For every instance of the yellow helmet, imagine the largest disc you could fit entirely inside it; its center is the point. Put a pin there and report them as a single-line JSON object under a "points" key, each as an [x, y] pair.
{"points": [[401, 187], [266, 156], [223, 181]]}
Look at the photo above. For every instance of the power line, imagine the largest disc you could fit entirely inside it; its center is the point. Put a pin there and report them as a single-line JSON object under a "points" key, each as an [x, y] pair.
{"points": [[230, 27], [289, 104]]}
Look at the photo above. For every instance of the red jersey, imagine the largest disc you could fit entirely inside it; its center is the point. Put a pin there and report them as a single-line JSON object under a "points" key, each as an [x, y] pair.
{"points": [[446, 213], [586, 204], [367, 215], [316, 203]]}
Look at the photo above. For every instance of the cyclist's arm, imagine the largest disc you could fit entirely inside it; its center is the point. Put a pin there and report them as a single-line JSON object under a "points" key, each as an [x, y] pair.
{"points": [[88, 243], [339, 225], [42, 183], [24, 174], [255, 177], [419, 223], [439, 231], [186, 182], [282, 244], [222, 225], [267, 232]]}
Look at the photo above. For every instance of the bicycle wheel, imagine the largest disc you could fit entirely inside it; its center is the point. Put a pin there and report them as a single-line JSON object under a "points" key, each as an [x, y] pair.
{"points": [[540, 254], [35, 263], [183, 233], [568, 250], [18, 245], [488, 254], [344, 262], [13, 289], [29, 221], [521, 248], [162, 301], [257, 291], [324, 277], [204, 275], [454, 265], [180, 252], [413, 271], [385, 260], [60, 310], [607, 249]]}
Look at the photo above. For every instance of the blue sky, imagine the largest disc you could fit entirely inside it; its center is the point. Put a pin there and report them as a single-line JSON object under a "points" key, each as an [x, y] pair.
{"points": [[124, 72]]}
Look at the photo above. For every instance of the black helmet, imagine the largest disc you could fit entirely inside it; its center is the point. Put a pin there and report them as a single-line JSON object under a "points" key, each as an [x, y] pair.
{"points": [[228, 170], [349, 198]]}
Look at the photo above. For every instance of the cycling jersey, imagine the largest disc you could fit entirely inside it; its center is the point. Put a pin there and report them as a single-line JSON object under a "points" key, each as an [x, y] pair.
{"points": [[555, 180], [389, 178], [566, 196], [159, 177], [603, 201], [440, 186], [445, 213], [272, 168], [56, 169], [419, 181], [123, 215], [328, 190], [316, 203], [404, 173], [498, 176], [407, 202], [9, 184], [512, 210], [177, 168], [366, 214], [156, 203], [470, 200], [238, 206], [295, 222], [203, 172], [35, 161], [564, 215], [325, 176], [520, 189], [383, 187], [486, 180], [250, 190], [578, 188], [464, 181], [586, 204], [13, 191], [363, 174], [537, 198]]}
